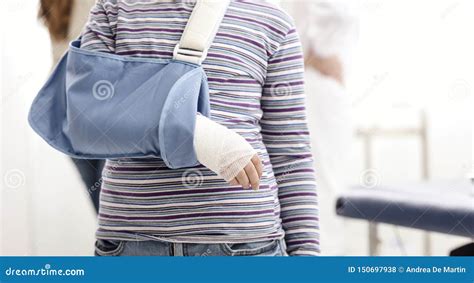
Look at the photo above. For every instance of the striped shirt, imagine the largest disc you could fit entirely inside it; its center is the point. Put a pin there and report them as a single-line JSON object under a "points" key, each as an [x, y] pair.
{"points": [[255, 74]]}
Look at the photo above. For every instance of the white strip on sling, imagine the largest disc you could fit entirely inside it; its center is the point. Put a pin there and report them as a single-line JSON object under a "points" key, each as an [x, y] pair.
{"points": [[221, 150], [200, 30]]}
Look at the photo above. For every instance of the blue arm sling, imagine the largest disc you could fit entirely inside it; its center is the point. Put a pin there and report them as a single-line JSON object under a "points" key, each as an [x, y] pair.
{"points": [[102, 106]]}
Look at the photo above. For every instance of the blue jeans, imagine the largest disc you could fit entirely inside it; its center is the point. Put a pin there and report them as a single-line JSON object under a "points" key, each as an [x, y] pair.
{"points": [[159, 248]]}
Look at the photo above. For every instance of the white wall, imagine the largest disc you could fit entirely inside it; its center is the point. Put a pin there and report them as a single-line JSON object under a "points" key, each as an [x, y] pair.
{"points": [[416, 55], [44, 208]]}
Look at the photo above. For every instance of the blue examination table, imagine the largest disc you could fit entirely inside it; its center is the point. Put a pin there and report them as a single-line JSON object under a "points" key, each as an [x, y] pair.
{"points": [[445, 207]]}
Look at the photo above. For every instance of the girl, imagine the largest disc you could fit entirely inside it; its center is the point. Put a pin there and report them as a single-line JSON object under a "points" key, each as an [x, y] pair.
{"points": [[255, 74]]}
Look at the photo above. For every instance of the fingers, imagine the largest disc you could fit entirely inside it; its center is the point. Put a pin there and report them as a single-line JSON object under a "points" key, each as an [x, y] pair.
{"points": [[258, 165], [243, 179], [252, 175]]}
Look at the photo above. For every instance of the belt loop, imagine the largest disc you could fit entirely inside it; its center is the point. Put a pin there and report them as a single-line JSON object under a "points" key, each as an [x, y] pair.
{"points": [[283, 247], [178, 249]]}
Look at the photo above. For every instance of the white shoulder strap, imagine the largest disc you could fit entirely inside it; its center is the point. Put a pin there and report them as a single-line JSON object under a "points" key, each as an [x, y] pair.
{"points": [[200, 30]]}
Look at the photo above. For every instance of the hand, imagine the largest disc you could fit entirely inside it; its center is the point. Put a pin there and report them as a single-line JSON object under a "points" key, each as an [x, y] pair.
{"points": [[250, 175]]}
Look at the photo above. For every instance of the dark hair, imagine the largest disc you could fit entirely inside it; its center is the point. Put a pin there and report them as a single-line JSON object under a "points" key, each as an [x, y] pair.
{"points": [[56, 15]]}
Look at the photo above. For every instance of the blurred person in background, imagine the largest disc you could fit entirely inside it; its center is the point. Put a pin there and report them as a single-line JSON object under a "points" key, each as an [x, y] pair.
{"points": [[65, 20], [328, 31]]}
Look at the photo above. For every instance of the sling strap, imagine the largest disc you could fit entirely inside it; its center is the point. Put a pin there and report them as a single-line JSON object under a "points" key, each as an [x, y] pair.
{"points": [[200, 31]]}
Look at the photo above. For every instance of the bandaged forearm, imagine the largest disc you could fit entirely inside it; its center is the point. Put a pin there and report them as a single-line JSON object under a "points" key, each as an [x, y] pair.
{"points": [[220, 149]]}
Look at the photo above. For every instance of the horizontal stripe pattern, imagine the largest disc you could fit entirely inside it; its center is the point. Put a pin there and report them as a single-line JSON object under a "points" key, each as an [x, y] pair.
{"points": [[255, 74]]}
